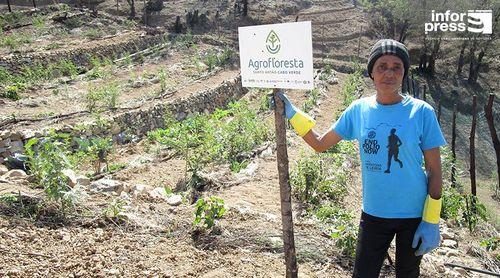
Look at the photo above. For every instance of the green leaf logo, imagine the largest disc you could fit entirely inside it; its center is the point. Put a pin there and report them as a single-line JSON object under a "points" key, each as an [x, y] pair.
{"points": [[273, 42]]}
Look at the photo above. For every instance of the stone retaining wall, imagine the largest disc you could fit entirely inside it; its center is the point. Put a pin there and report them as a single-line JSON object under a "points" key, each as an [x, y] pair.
{"points": [[135, 123], [80, 56]]}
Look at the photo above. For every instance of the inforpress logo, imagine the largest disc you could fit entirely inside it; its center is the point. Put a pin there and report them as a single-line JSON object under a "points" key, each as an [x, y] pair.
{"points": [[474, 21], [481, 21], [273, 42]]}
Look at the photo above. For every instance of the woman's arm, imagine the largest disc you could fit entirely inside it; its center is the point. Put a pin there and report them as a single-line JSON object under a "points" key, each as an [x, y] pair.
{"points": [[323, 142], [432, 159]]}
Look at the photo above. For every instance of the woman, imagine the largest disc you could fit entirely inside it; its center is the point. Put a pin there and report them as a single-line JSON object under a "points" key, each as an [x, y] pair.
{"points": [[400, 201]]}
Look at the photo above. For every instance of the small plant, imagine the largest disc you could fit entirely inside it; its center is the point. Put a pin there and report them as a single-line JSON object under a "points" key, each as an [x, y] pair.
{"points": [[474, 210], [114, 209], [11, 92], [327, 71], [38, 22], [93, 34], [345, 232], [52, 46], [490, 244], [312, 100], [47, 158], [162, 77], [96, 150], [208, 211]]}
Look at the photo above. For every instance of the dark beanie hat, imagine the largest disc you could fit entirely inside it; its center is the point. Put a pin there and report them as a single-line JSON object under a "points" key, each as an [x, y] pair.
{"points": [[388, 46]]}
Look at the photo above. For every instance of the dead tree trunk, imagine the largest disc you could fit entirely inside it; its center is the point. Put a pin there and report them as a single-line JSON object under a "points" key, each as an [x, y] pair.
{"points": [[453, 140], [439, 107], [461, 58], [286, 198], [34, 4], [472, 168], [488, 109], [8, 4], [472, 57], [424, 93]]}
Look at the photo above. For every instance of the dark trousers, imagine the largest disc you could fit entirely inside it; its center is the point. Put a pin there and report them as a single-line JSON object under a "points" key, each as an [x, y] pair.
{"points": [[375, 236]]}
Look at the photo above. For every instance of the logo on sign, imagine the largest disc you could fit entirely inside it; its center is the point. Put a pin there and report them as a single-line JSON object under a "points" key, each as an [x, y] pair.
{"points": [[273, 42], [474, 21]]}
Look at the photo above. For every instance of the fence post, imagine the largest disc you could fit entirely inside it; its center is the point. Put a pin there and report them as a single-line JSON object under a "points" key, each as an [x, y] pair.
{"points": [[472, 168], [453, 139]]}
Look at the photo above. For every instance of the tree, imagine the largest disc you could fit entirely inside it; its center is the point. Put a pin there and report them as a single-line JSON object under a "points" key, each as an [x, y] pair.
{"points": [[244, 11], [131, 3], [482, 46]]}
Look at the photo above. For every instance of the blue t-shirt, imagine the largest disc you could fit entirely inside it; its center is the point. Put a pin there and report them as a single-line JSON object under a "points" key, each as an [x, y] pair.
{"points": [[392, 139]]}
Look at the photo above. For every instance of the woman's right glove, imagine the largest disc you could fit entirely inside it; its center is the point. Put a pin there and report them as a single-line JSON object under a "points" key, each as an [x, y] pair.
{"points": [[300, 121]]}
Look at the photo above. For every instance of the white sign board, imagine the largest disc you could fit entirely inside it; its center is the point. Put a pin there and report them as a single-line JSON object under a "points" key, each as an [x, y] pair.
{"points": [[276, 55]]}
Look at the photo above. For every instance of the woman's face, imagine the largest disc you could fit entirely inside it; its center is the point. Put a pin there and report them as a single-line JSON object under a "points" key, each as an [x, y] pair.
{"points": [[388, 73]]}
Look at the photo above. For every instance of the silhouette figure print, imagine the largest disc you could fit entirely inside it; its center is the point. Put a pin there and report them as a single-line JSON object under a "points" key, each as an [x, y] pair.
{"points": [[393, 146]]}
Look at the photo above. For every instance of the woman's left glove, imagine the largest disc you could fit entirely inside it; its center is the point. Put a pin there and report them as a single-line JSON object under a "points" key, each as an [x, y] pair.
{"points": [[428, 230]]}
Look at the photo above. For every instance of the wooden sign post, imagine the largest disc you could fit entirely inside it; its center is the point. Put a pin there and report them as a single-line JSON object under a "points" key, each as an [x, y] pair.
{"points": [[279, 56], [285, 189]]}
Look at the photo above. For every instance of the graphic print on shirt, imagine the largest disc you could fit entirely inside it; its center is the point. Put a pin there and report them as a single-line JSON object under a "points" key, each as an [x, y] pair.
{"points": [[393, 150], [374, 156]]}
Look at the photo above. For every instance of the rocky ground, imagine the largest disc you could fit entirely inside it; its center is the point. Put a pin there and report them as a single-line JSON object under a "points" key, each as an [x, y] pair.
{"points": [[127, 225]]}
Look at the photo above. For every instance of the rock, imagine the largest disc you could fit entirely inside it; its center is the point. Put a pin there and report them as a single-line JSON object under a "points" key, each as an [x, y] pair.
{"points": [[452, 253], [107, 185], [138, 190], [83, 180], [15, 136], [16, 147], [333, 81], [14, 175], [71, 175], [174, 200], [5, 134], [3, 169], [270, 217], [4, 142], [449, 243], [115, 129], [267, 152], [462, 271], [158, 193], [250, 169], [447, 234]]}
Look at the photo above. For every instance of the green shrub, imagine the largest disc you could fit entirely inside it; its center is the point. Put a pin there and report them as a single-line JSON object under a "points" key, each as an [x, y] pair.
{"points": [[98, 99], [11, 19], [312, 100], [73, 22], [219, 138], [208, 211], [319, 178], [350, 87]]}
